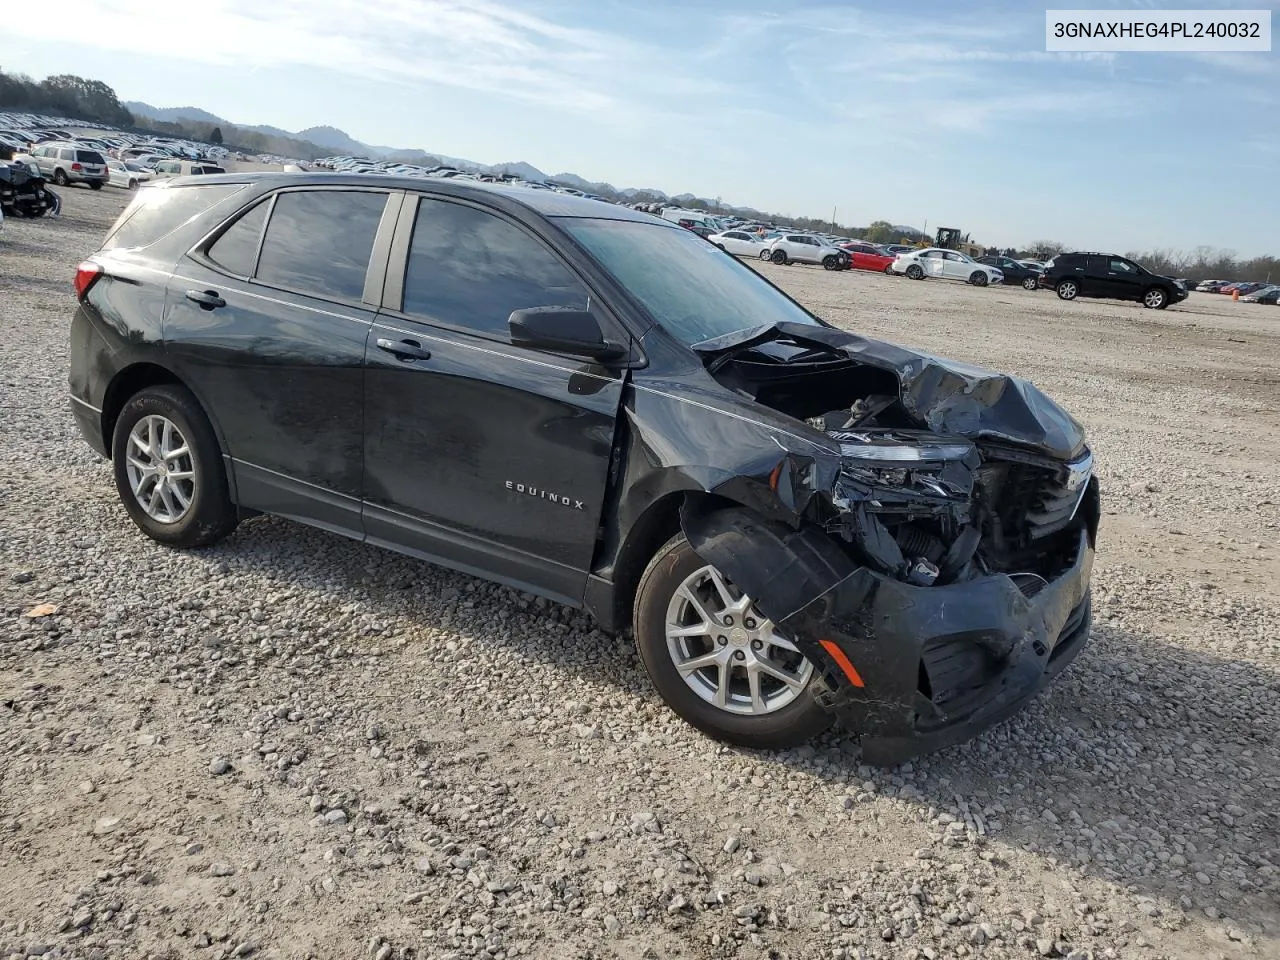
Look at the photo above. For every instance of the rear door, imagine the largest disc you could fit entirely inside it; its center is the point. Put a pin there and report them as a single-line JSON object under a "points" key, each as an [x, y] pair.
{"points": [[267, 321], [480, 454]]}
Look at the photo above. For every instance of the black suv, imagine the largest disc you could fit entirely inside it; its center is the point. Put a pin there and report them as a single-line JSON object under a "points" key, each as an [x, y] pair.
{"points": [[1110, 275], [1014, 272], [597, 406]]}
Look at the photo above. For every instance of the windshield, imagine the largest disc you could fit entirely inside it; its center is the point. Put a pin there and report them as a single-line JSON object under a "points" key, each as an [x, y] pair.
{"points": [[688, 286]]}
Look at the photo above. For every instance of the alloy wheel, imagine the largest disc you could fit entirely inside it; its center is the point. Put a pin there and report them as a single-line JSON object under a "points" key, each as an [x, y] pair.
{"points": [[728, 653], [1153, 299], [161, 469]]}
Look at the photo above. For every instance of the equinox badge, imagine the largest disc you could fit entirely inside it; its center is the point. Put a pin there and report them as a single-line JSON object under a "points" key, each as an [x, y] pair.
{"points": [[542, 494]]}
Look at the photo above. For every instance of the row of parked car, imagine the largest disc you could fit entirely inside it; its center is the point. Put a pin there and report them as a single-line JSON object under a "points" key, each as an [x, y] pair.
{"points": [[1250, 291], [840, 253]]}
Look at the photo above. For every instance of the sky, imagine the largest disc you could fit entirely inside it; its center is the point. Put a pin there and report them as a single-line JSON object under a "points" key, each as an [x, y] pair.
{"points": [[946, 113]]}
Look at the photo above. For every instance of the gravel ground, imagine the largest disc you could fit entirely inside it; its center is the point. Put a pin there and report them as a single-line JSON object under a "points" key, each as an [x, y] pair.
{"points": [[293, 745]]}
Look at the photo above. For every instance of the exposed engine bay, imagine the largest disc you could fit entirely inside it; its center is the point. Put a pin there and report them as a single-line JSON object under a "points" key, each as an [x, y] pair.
{"points": [[920, 489]]}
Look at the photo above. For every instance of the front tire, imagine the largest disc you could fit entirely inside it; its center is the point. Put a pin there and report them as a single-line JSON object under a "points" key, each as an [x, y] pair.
{"points": [[888, 268], [978, 278], [168, 469], [766, 255], [1029, 283], [1068, 290], [915, 272], [133, 184], [706, 677], [1155, 299], [831, 262]]}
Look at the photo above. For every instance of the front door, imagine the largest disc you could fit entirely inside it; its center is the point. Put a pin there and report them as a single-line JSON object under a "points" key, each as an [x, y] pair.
{"points": [[479, 454], [268, 327], [1121, 278]]}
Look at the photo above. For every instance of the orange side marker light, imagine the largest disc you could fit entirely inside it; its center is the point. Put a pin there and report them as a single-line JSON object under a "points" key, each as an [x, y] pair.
{"points": [[843, 662]]}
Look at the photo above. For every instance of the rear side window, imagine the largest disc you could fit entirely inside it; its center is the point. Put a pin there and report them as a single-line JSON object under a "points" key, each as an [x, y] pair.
{"points": [[470, 269], [158, 212], [318, 242], [236, 251]]}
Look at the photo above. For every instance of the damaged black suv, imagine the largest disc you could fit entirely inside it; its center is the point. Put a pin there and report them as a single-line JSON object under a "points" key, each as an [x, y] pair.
{"points": [[799, 524]]}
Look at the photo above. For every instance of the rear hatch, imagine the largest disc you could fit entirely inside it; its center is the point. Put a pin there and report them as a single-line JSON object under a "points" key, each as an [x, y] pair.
{"points": [[90, 163]]}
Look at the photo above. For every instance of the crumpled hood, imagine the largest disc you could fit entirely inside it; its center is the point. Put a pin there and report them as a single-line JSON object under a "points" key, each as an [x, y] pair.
{"points": [[945, 396]]}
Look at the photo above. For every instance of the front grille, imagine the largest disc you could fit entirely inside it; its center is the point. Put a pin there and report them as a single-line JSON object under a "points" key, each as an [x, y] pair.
{"points": [[1030, 501]]}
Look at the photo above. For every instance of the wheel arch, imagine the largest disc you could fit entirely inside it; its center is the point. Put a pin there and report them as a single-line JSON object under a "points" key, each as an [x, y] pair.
{"points": [[138, 376], [655, 525]]}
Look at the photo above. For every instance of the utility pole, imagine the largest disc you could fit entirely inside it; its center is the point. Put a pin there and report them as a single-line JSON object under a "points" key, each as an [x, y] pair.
{"points": [[833, 219]]}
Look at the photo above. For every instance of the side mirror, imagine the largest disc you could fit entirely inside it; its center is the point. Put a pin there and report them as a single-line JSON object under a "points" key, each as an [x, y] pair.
{"points": [[562, 330]]}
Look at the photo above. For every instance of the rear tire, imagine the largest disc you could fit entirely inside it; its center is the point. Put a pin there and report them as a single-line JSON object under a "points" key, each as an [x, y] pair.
{"points": [[779, 257], [915, 272], [209, 515], [95, 184], [799, 720], [60, 177], [1067, 290]]}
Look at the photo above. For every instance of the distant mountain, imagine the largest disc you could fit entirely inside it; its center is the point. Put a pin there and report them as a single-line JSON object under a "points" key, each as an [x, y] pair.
{"points": [[331, 138], [171, 114], [335, 139], [525, 171]]}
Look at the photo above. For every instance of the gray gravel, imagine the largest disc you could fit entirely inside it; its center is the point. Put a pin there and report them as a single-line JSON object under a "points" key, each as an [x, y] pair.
{"points": [[292, 745]]}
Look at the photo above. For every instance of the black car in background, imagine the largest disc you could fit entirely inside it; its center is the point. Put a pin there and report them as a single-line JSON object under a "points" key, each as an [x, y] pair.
{"points": [[1111, 276], [1014, 272], [799, 524]]}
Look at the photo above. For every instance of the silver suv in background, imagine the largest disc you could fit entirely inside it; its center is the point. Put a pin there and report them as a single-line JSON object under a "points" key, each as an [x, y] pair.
{"points": [[65, 163]]}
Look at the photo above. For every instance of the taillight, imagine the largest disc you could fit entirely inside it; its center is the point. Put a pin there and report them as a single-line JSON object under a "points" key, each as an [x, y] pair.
{"points": [[86, 273], [76, 166]]}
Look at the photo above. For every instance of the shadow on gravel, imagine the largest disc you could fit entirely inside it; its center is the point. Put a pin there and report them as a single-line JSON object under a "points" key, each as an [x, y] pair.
{"points": [[1150, 765]]}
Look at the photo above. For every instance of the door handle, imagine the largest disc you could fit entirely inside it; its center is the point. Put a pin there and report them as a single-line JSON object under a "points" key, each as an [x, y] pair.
{"points": [[208, 299], [407, 350]]}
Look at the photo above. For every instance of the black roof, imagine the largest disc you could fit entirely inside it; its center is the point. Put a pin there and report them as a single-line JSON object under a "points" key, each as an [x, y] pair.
{"points": [[546, 202]]}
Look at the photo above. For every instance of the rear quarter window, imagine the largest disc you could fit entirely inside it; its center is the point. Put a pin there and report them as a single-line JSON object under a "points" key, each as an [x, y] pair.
{"points": [[89, 156], [157, 212]]}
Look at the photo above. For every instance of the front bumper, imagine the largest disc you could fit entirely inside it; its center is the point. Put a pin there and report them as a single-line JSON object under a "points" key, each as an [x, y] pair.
{"points": [[938, 665]]}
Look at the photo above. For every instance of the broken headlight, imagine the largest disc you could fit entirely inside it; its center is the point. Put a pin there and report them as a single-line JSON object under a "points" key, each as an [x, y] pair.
{"points": [[908, 470], [903, 453]]}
